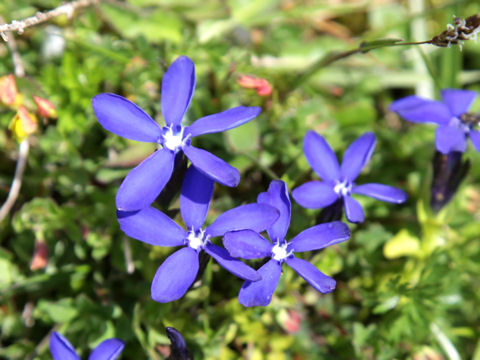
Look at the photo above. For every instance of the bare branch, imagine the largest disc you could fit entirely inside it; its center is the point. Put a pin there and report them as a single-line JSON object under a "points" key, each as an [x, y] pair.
{"points": [[24, 145], [65, 9], [17, 180], [19, 69]]}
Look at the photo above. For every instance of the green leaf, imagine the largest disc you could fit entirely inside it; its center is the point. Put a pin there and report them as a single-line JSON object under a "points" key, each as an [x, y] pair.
{"points": [[61, 311], [244, 138]]}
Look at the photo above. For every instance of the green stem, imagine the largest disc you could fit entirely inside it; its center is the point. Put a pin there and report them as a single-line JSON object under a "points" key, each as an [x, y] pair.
{"points": [[363, 48], [258, 163]]}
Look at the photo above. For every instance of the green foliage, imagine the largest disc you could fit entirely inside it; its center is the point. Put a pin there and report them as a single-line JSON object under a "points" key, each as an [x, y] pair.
{"points": [[407, 280]]}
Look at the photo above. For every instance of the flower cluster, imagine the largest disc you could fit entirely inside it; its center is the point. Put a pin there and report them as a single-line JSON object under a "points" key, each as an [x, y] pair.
{"points": [[177, 273], [240, 227]]}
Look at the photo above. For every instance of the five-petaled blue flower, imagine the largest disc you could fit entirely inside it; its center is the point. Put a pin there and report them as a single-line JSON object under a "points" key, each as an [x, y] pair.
{"points": [[339, 182], [248, 244], [179, 270], [61, 349], [122, 117], [455, 123]]}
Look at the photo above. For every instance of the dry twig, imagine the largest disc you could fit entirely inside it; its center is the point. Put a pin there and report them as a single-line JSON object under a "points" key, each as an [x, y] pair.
{"points": [[24, 146], [65, 9]]}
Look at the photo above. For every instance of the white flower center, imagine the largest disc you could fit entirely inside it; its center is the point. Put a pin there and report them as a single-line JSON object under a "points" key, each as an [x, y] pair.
{"points": [[343, 188], [197, 239], [174, 141], [458, 123], [280, 252]]}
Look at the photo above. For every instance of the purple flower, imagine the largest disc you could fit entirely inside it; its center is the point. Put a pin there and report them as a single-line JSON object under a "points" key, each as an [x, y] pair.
{"points": [[179, 270], [122, 117], [338, 182], [61, 349], [455, 123], [248, 244]]}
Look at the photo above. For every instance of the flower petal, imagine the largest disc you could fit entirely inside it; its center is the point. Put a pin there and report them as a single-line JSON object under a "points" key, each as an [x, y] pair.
{"points": [[314, 195], [124, 118], [475, 137], [178, 85], [247, 244], [419, 110], [61, 349], [353, 210], [212, 166], [320, 236], [320, 156], [312, 275], [259, 293], [357, 155], [381, 192], [145, 182], [235, 266], [108, 349], [277, 196], [151, 226], [225, 120], [175, 275], [450, 138], [195, 196], [255, 217], [458, 100]]}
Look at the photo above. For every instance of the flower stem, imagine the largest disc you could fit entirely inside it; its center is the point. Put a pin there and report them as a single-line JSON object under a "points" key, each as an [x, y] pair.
{"points": [[335, 56]]}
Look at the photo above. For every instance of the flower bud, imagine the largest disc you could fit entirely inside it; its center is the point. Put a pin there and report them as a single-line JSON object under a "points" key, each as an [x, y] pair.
{"points": [[45, 107], [448, 173], [261, 85], [40, 256], [9, 95]]}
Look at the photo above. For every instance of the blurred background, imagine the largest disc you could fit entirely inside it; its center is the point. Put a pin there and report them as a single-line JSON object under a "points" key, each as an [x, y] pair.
{"points": [[408, 281]]}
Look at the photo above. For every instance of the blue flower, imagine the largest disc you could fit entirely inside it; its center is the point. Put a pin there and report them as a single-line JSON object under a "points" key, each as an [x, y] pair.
{"points": [[451, 114], [122, 117], [248, 244], [339, 182], [61, 349], [179, 270]]}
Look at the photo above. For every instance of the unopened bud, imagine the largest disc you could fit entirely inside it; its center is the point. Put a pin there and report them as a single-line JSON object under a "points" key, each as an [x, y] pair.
{"points": [[261, 85], [179, 350], [45, 107], [9, 95], [448, 173], [40, 256]]}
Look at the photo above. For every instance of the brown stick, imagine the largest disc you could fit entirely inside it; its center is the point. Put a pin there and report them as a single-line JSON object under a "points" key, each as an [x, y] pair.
{"points": [[24, 146], [65, 9]]}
